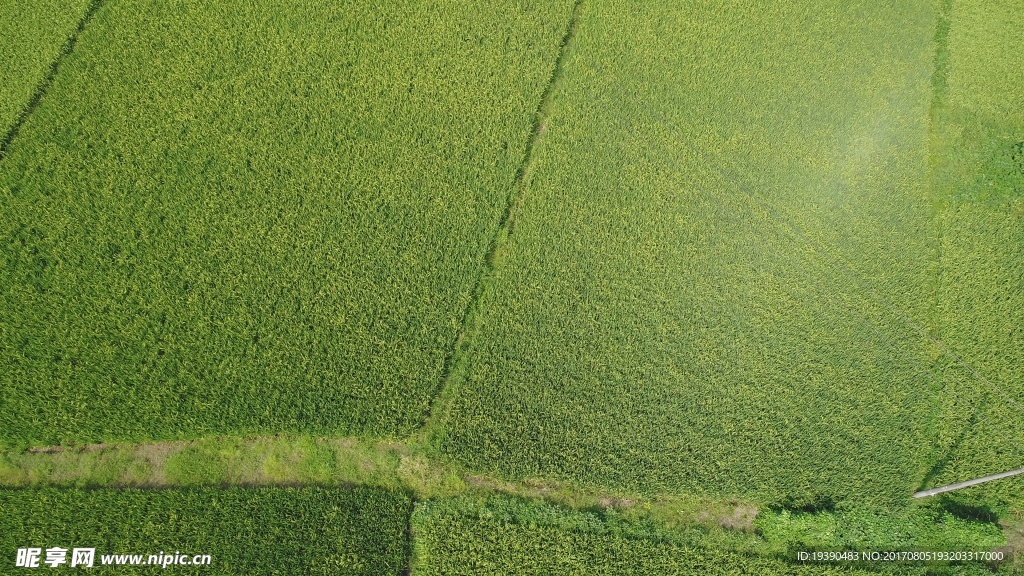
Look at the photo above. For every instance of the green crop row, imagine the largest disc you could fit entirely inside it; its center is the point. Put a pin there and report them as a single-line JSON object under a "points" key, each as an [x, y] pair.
{"points": [[244, 532], [32, 35], [719, 268], [228, 217]]}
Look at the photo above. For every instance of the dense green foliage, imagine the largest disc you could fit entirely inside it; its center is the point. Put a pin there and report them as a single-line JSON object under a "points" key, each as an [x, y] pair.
{"points": [[717, 269], [246, 532], [32, 34], [504, 536], [979, 161], [929, 527], [230, 217]]}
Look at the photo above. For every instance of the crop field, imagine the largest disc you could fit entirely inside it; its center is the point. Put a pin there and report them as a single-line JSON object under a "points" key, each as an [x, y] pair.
{"points": [[245, 532], [512, 286], [719, 290], [31, 36], [216, 222], [505, 536], [979, 158]]}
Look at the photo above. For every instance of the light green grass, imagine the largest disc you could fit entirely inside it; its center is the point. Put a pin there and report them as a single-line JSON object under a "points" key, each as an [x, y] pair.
{"points": [[237, 218], [716, 269], [300, 460], [246, 532], [32, 35]]}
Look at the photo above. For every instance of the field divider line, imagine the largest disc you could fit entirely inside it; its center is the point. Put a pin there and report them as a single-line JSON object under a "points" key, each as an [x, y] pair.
{"points": [[939, 92], [44, 85], [940, 69], [455, 360], [522, 179]]}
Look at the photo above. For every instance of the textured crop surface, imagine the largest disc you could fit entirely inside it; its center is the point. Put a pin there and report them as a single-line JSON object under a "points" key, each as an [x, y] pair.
{"points": [[515, 538], [979, 157], [718, 270], [32, 35], [245, 532], [234, 217]]}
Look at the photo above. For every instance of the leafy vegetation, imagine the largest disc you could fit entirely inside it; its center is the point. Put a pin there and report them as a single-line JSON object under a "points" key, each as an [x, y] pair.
{"points": [[210, 461], [228, 219], [507, 536], [256, 531], [718, 269], [32, 34]]}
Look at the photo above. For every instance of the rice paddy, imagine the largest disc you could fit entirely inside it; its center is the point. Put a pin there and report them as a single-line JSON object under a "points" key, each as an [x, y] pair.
{"points": [[510, 286]]}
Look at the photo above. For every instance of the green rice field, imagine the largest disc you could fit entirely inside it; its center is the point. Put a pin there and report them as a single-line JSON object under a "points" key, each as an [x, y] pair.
{"points": [[511, 286], [31, 37], [203, 233], [502, 536], [683, 307], [266, 531]]}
